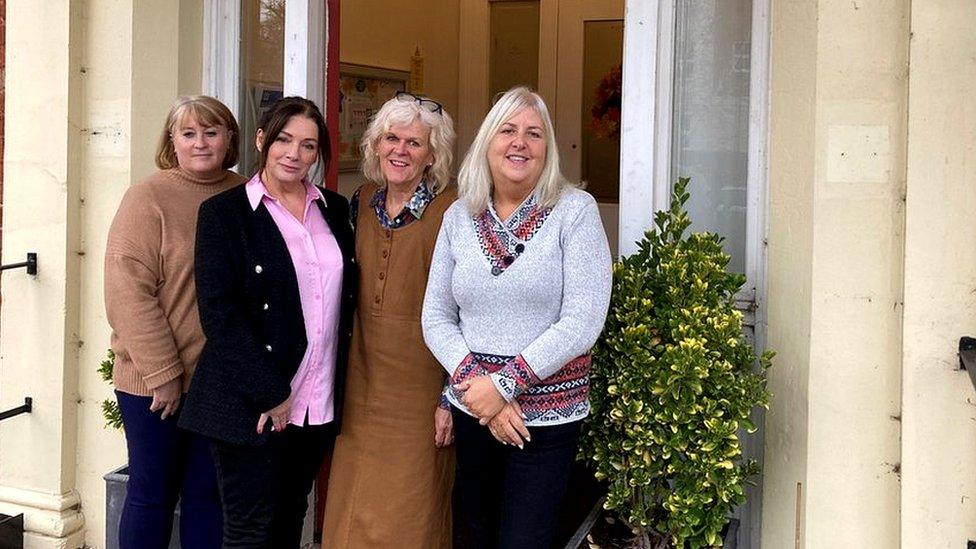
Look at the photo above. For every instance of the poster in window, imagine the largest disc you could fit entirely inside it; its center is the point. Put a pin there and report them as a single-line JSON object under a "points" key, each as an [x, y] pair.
{"points": [[362, 91]]}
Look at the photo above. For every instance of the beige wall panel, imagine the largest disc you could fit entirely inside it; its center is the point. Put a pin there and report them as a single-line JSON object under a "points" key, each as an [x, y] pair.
{"points": [[835, 272], [39, 336], [155, 77], [855, 374], [128, 89], [106, 172], [939, 434], [789, 254], [191, 47]]}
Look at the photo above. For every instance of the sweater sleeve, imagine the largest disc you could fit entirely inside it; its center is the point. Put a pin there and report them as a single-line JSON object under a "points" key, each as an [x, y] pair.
{"points": [[440, 320], [220, 296], [587, 277], [132, 276]]}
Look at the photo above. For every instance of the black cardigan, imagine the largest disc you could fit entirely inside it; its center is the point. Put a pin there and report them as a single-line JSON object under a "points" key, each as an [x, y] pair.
{"points": [[251, 314]]}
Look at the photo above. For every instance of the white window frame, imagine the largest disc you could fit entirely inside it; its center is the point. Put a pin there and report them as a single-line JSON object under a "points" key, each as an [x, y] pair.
{"points": [[304, 55], [648, 83], [646, 124], [222, 52]]}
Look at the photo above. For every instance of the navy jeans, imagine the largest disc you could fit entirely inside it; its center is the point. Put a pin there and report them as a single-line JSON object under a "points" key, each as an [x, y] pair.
{"points": [[512, 497], [265, 488], [166, 464]]}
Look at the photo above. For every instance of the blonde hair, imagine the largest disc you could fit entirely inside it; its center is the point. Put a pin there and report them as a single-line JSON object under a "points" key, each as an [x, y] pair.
{"points": [[206, 111], [396, 112], [474, 178]]}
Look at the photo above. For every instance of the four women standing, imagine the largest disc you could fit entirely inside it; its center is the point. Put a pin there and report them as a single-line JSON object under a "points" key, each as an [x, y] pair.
{"points": [[392, 472], [519, 281]]}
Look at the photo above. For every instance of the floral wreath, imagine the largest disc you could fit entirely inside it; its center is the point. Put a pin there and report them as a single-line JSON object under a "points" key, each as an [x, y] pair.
{"points": [[605, 112]]}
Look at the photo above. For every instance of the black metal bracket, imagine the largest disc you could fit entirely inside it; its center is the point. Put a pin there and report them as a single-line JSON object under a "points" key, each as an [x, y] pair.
{"points": [[31, 264], [25, 409], [967, 357]]}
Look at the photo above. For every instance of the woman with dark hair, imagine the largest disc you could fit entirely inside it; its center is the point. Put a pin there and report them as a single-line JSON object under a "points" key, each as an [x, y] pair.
{"points": [[150, 302], [276, 286]]}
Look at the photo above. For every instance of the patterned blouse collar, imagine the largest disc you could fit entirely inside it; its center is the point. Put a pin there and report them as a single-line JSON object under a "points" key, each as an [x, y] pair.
{"points": [[523, 211], [415, 207], [504, 242]]}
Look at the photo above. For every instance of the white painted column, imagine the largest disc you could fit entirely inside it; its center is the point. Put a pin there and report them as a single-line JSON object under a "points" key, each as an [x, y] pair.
{"points": [[39, 317], [305, 42], [638, 140], [222, 52]]}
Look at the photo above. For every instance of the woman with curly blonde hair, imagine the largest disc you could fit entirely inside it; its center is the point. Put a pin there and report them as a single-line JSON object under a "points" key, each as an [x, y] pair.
{"points": [[393, 467]]}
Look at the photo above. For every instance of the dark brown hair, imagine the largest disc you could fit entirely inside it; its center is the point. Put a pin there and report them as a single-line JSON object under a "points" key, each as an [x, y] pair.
{"points": [[207, 111], [276, 117]]}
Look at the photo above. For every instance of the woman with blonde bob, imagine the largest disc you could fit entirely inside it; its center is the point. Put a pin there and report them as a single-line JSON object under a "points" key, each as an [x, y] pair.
{"points": [[518, 291], [393, 469], [150, 301]]}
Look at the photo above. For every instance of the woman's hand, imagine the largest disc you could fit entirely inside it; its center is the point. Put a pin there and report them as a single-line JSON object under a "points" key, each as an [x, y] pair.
{"points": [[278, 416], [166, 397], [443, 427], [508, 427], [481, 397]]}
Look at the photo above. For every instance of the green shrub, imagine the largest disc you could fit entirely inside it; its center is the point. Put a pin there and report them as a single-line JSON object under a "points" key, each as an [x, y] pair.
{"points": [[673, 381], [110, 408]]}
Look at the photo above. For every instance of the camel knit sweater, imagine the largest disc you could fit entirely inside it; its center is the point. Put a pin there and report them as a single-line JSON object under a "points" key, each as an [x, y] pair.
{"points": [[150, 295]]}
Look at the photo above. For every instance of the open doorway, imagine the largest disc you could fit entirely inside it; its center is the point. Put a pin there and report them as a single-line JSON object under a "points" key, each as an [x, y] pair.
{"points": [[463, 54]]}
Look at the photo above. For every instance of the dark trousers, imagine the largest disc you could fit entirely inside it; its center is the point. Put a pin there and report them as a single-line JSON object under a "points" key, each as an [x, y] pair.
{"points": [[264, 489], [166, 464], [512, 497]]}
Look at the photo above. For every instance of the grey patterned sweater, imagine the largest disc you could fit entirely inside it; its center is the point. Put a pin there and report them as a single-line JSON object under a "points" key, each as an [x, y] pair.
{"points": [[522, 301]]}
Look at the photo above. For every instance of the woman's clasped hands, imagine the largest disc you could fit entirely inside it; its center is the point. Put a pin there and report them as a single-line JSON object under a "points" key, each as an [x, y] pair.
{"points": [[504, 419]]}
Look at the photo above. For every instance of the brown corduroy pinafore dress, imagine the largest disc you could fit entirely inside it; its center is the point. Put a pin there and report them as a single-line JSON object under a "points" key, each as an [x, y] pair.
{"points": [[389, 485]]}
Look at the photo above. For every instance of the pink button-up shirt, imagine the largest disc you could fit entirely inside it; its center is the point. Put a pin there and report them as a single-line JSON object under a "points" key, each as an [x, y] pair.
{"points": [[318, 266]]}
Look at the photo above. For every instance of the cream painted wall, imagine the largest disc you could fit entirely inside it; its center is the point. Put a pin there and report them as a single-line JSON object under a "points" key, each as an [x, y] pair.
{"points": [[385, 33], [939, 419], [858, 223], [839, 98], [105, 173], [39, 320], [191, 47]]}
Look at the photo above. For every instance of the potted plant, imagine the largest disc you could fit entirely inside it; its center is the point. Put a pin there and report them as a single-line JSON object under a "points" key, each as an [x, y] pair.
{"points": [[673, 383]]}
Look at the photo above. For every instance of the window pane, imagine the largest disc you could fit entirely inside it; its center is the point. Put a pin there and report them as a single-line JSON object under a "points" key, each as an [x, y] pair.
{"points": [[514, 53], [262, 68], [711, 116]]}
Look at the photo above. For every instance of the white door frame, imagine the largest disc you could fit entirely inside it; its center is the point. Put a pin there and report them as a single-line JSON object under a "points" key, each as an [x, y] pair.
{"points": [[648, 84], [645, 118], [305, 40]]}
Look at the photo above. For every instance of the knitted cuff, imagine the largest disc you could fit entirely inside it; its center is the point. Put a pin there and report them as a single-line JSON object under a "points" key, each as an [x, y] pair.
{"points": [[514, 378]]}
